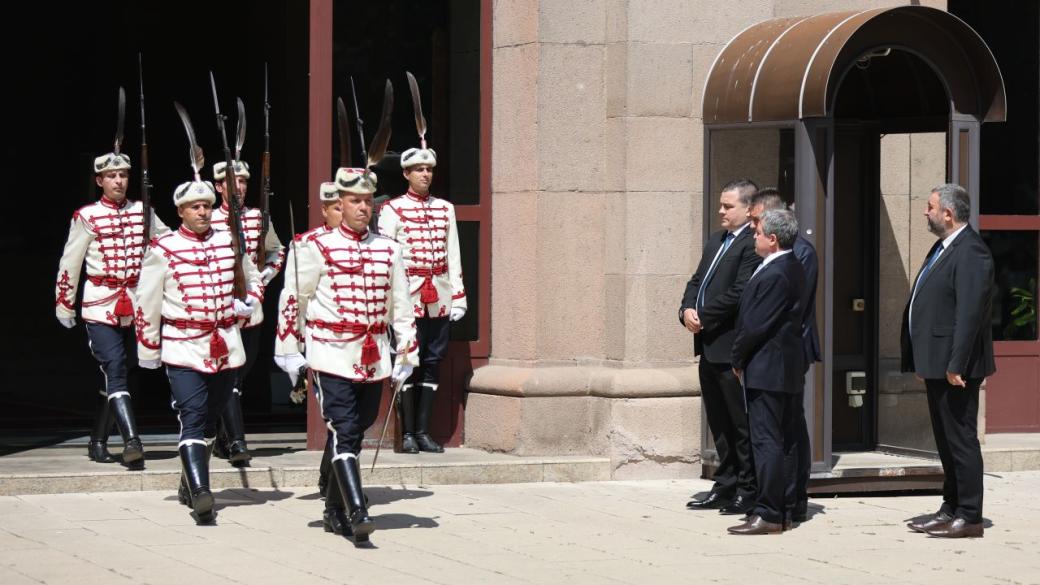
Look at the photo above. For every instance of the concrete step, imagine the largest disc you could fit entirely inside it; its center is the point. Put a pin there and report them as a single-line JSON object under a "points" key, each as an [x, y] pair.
{"points": [[277, 462]]}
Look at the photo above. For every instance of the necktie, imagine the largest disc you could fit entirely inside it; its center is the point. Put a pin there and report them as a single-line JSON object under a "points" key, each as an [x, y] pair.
{"points": [[928, 266], [711, 269]]}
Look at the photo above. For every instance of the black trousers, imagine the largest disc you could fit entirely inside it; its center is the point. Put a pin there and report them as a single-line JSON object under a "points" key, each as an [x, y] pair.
{"points": [[723, 399], [251, 344], [773, 438], [954, 412], [798, 483], [432, 336], [199, 399], [348, 408], [113, 348]]}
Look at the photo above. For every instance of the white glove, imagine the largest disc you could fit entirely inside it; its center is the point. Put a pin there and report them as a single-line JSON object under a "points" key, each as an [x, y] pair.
{"points": [[291, 364], [267, 275], [244, 309], [150, 364], [457, 313], [68, 322], [401, 372]]}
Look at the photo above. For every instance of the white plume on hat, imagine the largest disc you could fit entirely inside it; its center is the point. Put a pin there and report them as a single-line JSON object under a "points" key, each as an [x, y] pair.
{"points": [[220, 169], [111, 162], [194, 191], [351, 180], [418, 156], [328, 192]]}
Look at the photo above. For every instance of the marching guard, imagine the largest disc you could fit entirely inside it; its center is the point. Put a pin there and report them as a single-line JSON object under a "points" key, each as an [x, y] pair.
{"points": [[188, 319], [425, 228], [236, 449], [109, 236]]}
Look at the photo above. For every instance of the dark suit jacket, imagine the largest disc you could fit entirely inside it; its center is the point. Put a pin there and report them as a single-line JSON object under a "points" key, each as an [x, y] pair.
{"points": [[951, 325], [806, 254], [722, 295], [768, 340]]}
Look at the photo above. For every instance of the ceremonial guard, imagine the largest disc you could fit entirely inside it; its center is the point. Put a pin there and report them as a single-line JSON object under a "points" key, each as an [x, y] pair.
{"points": [[109, 236], [424, 226], [271, 257], [350, 286], [188, 319]]}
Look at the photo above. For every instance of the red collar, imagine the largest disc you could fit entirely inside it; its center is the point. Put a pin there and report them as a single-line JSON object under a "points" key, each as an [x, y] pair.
{"points": [[112, 204], [224, 206], [415, 196], [346, 231], [194, 236]]}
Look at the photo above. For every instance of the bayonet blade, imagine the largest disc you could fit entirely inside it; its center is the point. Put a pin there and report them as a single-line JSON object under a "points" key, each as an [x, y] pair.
{"points": [[382, 138], [240, 136], [359, 121], [420, 120], [120, 118]]}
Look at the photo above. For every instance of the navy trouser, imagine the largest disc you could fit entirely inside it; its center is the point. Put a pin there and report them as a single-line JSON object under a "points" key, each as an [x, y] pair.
{"points": [[432, 335], [112, 347], [774, 436], [955, 413], [251, 344], [199, 399], [348, 408]]}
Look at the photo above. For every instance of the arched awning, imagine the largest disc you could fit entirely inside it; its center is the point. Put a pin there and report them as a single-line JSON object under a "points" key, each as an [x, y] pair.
{"points": [[791, 68]]}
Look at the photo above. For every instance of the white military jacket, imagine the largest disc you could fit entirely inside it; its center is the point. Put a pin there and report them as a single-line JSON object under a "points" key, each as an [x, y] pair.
{"points": [[185, 314], [274, 251], [110, 237], [425, 228], [352, 287]]}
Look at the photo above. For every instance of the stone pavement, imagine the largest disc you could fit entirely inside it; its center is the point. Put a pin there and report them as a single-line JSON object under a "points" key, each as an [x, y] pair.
{"points": [[573, 533]]}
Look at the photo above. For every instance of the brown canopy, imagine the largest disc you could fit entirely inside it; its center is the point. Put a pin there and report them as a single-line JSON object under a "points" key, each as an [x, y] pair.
{"points": [[791, 68]]}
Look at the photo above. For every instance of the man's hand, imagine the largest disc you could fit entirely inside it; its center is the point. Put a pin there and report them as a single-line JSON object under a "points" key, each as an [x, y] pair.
{"points": [[291, 364], [68, 322], [244, 309], [401, 372], [267, 275], [457, 313], [692, 320], [150, 364], [955, 379], [738, 373]]}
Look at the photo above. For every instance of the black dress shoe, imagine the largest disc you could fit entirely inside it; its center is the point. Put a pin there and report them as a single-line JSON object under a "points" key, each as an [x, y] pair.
{"points": [[712, 502], [957, 528], [756, 525], [740, 505], [930, 522]]}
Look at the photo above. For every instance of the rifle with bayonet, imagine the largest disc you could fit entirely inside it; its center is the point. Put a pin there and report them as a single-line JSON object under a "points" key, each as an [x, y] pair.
{"points": [[146, 181], [238, 240], [265, 179]]}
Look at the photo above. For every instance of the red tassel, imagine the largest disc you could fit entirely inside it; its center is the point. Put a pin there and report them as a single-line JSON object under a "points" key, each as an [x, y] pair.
{"points": [[217, 346], [369, 351], [124, 308], [428, 292]]}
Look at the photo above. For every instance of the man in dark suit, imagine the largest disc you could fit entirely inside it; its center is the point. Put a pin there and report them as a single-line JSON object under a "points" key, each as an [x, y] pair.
{"points": [[946, 340], [797, 498], [769, 358], [709, 310]]}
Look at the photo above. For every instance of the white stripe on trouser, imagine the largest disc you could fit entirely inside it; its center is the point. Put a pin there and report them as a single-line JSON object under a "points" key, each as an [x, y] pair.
{"points": [[120, 393], [236, 391], [173, 405], [103, 393], [321, 411]]}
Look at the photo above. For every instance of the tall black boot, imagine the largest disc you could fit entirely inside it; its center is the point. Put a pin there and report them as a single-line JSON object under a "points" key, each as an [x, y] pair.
{"points": [[195, 461], [348, 479], [334, 518], [427, 392], [325, 469], [235, 428], [97, 449], [407, 410], [123, 412]]}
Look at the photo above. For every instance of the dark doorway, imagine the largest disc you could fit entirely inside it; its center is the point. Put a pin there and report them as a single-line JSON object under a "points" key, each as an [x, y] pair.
{"points": [[61, 111]]}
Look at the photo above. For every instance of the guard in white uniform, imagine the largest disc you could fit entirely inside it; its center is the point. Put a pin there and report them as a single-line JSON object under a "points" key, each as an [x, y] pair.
{"points": [[188, 319], [109, 236], [231, 442], [351, 286], [424, 226]]}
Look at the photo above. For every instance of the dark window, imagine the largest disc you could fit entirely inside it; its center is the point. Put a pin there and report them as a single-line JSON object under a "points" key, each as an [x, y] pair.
{"points": [[1014, 302]]}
